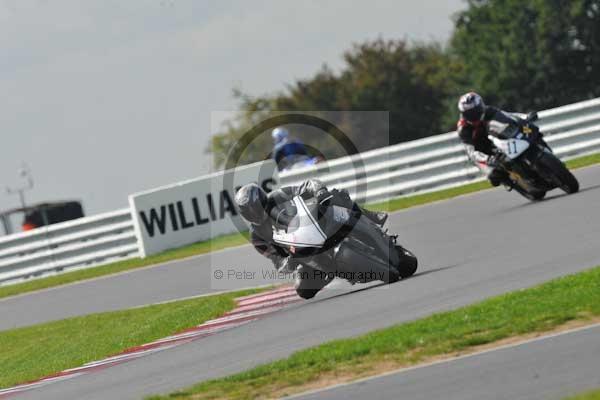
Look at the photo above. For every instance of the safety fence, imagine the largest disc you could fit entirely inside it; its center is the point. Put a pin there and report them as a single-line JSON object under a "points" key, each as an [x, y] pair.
{"points": [[81, 243], [433, 163], [438, 162]]}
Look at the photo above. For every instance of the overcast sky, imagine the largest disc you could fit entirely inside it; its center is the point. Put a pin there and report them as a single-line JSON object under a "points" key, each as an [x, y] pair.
{"points": [[105, 98]]}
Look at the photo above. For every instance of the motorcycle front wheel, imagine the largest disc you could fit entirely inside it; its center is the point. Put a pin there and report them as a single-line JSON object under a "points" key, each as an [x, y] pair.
{"points": [[309, 282], [564, 179], [408, 262]]}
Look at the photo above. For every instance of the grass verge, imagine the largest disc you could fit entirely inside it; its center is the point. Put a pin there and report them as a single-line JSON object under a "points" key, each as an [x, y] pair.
{"points": [[239, 239], [36, 351], [539, 309], [593, 395], [420, 199]]}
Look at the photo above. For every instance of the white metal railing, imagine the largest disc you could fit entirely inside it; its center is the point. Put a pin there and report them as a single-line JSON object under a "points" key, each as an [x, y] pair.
{"points": [[80, 243], [441, 161], [433, 163]]}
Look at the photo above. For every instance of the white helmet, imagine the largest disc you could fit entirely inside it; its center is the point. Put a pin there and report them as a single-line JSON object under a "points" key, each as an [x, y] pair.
{"points": [[471, 106], [279, 134]]}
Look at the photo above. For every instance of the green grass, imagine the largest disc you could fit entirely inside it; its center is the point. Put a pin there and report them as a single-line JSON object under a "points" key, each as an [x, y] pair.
{"points": [[593, 395], [239, 239], [584, 161], [538, 309], [35, 351], [420, 199]]}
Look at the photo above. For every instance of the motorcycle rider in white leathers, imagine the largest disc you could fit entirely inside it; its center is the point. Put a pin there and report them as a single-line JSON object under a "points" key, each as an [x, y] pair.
{"points": [[263, 210]]}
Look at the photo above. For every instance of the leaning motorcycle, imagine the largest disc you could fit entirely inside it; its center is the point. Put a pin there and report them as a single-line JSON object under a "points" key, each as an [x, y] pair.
{"points": [[330, 241], [532, 168]]}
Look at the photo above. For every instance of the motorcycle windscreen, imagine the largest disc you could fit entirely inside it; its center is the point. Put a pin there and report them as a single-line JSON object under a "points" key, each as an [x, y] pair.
{"points": [[303, 230], [505, 128]]}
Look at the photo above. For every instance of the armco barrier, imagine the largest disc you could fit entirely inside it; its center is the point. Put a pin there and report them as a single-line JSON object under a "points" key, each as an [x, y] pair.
{"points": [[441, 161], [422, 165], [81, 243]]}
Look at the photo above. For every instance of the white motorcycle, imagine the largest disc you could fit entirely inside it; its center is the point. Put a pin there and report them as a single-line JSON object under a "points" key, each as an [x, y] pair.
{"points": [[330, 241], [532, 167]]}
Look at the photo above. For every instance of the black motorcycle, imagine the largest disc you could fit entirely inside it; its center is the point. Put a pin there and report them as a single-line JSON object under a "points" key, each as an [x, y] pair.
{"points": [[532, 168], [330, 241]]}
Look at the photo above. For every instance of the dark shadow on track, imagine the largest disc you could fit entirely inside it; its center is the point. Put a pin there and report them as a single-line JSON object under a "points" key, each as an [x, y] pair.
{"points": [[347, 293], [362, 289], [550, 198], [431, 271], [589, 188]]}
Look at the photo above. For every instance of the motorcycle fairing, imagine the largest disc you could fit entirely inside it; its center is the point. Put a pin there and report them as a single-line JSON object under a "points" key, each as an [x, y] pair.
{"points": [[512, 148], [303, 230]]}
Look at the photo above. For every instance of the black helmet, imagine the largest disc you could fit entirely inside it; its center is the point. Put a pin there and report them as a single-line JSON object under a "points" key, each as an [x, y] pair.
{"points": [[471, 107], [251, 201]]}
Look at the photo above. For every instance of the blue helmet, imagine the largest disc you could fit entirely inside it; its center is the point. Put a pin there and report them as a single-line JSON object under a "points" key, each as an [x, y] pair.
{"points": [[279, 134]]}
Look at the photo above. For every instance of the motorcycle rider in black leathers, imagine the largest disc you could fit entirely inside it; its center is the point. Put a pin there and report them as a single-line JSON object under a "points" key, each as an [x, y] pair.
{"points": [[261, 210], [473, 128]]}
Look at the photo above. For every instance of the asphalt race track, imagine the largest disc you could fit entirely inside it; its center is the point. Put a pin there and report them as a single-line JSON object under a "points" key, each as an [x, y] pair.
{"points": [[169, 281], [551, 368], [470, 248]]}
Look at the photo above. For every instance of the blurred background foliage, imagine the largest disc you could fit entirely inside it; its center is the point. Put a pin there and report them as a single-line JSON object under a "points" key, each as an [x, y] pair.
{"points": [[519, 55]]}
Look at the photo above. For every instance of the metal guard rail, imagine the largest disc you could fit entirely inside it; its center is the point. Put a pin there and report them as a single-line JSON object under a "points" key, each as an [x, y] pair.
{"points": [[428, 164]]}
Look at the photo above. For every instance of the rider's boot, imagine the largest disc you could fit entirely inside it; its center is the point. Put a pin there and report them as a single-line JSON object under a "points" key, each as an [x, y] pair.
{"points": [[341, 198], [498, 176]]}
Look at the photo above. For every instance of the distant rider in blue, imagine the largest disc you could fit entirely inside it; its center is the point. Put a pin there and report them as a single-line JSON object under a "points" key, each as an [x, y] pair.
{"points": [[287, 151]]}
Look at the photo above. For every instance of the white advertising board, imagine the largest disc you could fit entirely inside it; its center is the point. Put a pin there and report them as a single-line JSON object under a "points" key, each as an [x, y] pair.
{"points": [[194, 210]]}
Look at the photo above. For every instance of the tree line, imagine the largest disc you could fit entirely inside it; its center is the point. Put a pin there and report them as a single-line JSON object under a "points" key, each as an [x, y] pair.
{"points": [[520, 55]]}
